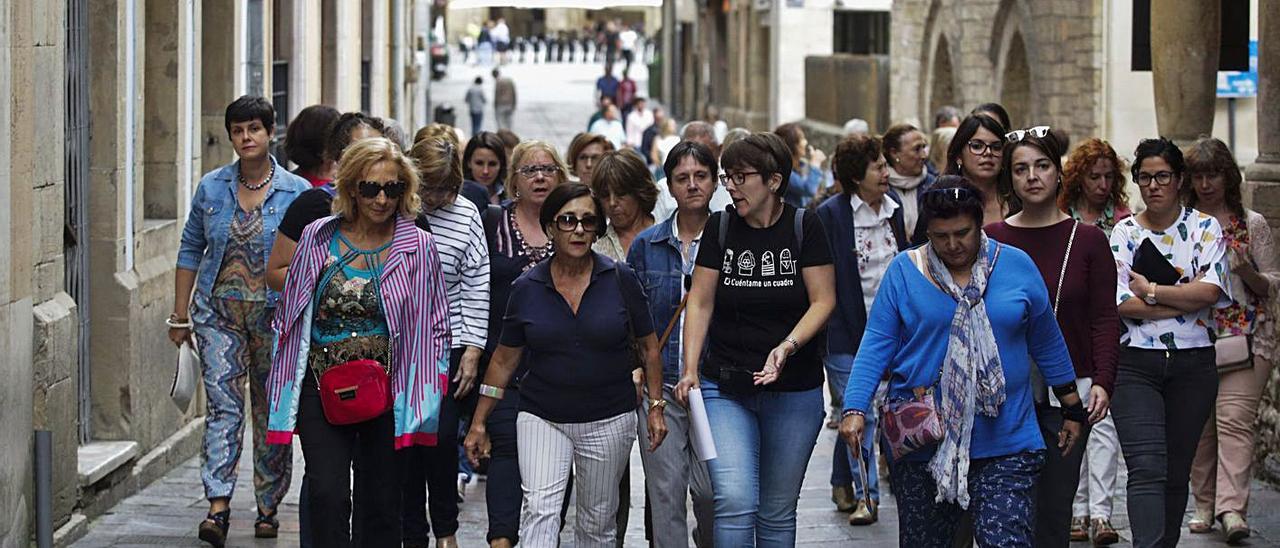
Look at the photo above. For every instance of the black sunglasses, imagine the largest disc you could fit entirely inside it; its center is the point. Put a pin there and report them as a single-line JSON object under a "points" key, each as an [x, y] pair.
{"points": [[569, 222], [370, 189]]}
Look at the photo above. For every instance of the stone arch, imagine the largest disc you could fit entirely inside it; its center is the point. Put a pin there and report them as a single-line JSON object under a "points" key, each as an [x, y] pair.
{"points": [[939, 88], [1011, 56], [1015, 83]]}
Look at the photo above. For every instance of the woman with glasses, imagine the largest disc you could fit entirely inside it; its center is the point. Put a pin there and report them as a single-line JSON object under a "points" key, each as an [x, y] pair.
{"points": [[906, 150], [974, 154], [1171, 265], [362, 352], [485, 162], [581, 322], [1093, 186], [585, 152], [516, 243], [762, 292], [957, 325], [625, 187], [1075, 262], [464, 260], [866, 226], [1220, 473]]}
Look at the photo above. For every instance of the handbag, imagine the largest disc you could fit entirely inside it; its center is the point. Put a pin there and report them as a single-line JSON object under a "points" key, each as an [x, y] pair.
{"points": [[186, 375], [910, 424], [354, 392], [1233, 353]]}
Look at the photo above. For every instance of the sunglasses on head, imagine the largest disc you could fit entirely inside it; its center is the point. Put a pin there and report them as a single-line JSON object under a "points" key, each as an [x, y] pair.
{"points": [[370, 189], [954, 193], [1038, 132], [569, 222]]}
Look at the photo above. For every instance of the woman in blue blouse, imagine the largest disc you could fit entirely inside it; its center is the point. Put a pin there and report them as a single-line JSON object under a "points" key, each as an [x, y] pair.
{"points": [[935, 326]]}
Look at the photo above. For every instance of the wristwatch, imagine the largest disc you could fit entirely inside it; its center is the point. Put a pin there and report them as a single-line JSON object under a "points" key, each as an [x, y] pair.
{"points": [[1150, 298]]}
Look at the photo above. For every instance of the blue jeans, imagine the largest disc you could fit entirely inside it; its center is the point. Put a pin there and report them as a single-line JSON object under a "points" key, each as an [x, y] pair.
{"points": [[1001, 502], [763, 442], [843, 467]]}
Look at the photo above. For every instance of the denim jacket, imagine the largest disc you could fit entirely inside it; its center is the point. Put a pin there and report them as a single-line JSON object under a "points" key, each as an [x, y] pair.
{"points": [[204, 238], [655, 257]]}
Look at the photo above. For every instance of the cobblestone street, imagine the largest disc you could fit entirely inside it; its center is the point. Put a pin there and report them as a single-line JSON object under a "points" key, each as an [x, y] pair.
{"points": [[555, 101]]}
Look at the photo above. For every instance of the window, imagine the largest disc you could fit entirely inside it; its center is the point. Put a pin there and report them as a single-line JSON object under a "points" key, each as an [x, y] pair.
{"points": [[280, 100], [861, 32]]}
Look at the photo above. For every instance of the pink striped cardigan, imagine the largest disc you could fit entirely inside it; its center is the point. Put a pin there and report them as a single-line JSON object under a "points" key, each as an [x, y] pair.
{"points": [[417, 311]]}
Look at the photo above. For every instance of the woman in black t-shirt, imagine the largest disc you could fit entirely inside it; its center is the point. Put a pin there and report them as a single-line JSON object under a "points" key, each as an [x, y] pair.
{"points": [[762, 292]]}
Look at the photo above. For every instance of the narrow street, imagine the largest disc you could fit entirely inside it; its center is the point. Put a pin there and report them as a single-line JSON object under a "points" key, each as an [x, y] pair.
{"points": [[555, 101]]}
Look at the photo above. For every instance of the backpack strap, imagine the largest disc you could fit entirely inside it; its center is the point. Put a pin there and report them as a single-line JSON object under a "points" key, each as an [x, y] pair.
{"points": [[724, 228], [799, 231]]}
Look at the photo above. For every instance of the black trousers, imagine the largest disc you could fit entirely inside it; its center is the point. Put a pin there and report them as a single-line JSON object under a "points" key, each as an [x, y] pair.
{"points": [[1055, 490], [429, 474], [329, 452]]}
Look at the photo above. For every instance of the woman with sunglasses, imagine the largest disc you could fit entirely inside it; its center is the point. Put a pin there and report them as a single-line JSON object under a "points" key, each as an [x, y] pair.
{"points": [[956, 325], [584, 154], [1220, 473], [1166, 381], [974, 154], [762, 292], [581, 322], [516, 243], [366, 294], [464, 260], [1075, 262]]}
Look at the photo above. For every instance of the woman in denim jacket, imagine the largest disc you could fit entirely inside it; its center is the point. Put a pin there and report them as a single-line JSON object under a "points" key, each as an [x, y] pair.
{"points": [[223, 258], [663, 256]]}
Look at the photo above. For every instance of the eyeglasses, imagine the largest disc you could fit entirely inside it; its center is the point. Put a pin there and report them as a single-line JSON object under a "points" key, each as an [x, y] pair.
{"points": [[979, 147], [1039, 132], [370, 189], [570, 222], [589, 158], [1163, 178], [529, 172], [954, 193], [737, 178]]}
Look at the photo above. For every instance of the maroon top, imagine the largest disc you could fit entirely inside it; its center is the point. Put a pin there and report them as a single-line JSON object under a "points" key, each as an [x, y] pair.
{"points": [[1087, 310]]}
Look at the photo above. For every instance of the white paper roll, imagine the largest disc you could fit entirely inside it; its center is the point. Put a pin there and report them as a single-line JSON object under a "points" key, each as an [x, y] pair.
{"points": [[703, 444]]}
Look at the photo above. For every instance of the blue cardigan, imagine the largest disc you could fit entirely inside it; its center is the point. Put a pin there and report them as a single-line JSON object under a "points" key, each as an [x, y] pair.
{"points": [[844, 332], [907, 334]]}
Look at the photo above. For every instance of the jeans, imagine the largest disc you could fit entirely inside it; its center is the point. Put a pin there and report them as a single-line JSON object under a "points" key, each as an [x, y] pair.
{"points": [[476, 118], [843, 466], [764, 441], [429, 474], [1001, 502], [1162, 400], [1055, 490], [502, 489]]}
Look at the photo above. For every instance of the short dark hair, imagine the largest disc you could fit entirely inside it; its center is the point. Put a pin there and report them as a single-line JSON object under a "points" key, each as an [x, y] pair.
{"points": [[944, 114], [563, 194], [305, 137], [250, 107], [1047, 145], [893, 138], [764, 152], [694, 149], [997, 109], [623, 172], [852, 157], [944, 201], [509, 138], [340, 133], [1163, 148], [791, 134], [490, 141]]}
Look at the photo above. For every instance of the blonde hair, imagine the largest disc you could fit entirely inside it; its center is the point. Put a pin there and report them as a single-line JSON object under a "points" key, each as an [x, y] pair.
{"points": [[522, 153], [437, 131], [939, 141], [359, 159], [438, 162]]}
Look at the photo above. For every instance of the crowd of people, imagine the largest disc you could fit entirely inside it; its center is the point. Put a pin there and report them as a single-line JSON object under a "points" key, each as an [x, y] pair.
{"points": [[996, 326], [606, 41]]}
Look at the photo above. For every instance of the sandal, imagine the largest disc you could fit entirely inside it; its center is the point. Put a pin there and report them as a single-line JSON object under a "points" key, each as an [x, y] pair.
{"points": [[213, 529], [266, 526], [1201, 522]]}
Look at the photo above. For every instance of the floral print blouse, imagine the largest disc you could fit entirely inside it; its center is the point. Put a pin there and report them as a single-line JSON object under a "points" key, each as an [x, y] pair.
{"points": [[1249, 313]]}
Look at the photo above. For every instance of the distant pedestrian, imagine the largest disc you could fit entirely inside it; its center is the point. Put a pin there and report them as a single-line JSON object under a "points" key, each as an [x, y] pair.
{"points": [[502, 40], [946, 116], [638, 120], [806, 169], [304, 143], [650, 134], [484, 45], [605, 103], [584, 154], [626, 94], [610, 126], [627, 43], [222, 257], [476, 102], [504, 99], [607, 86], [667, 140]]}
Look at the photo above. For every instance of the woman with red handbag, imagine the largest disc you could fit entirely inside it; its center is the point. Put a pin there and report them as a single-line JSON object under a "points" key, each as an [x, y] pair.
{"points": [[362, 353], [957, 416]]}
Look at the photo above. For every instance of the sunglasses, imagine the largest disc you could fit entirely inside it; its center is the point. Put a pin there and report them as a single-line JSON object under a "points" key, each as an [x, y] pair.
{"points": [[393, 189], [570, 222], [954, 193], [1039, 132]]}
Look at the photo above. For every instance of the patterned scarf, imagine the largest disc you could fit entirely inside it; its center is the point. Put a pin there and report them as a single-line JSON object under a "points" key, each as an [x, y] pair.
{"points": [[972, 376]]}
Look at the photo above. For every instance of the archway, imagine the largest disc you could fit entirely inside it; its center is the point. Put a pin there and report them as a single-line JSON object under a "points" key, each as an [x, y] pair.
{"points": [[1015, 89], [942, 82]]}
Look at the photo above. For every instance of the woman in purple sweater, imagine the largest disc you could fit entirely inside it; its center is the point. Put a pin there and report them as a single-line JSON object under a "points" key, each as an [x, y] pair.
{"points": [[1079, 272]]}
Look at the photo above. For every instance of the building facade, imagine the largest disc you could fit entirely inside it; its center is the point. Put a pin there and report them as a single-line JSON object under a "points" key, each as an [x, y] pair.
{"points": [[114, 109]]}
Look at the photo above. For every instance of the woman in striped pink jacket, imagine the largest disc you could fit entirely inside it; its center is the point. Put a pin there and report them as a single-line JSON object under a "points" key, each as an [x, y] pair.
{"points": [[365, 284]]}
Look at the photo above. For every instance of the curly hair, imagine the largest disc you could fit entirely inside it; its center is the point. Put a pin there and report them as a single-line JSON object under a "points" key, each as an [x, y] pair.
{"points": [[1077, 169], [1210, 156], [852, 158], [357, 160]]}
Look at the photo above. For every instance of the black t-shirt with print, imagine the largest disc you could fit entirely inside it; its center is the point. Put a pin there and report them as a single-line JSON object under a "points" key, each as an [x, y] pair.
{"points": [[761, 296]]}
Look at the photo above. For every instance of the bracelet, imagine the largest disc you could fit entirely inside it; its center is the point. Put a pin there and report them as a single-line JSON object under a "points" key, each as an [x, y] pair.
{"points": [[491, 391], [657, 404], [176, 323], [795, 345], [852, 412]]}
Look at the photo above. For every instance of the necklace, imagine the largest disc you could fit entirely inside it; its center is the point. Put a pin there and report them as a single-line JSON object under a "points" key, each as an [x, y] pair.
{"points": [[264, 182]]}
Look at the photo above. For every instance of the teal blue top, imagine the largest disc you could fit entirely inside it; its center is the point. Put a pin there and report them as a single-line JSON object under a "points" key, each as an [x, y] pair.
{"points": [[347, 304]]}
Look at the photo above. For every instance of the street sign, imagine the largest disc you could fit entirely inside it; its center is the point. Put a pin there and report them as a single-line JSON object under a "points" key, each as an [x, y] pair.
{"points": [[1241, 84]]}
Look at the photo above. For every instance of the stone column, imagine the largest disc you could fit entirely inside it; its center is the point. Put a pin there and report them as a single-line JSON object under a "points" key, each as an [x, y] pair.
{"points": [[1264, 174], [1185, 43], [304, 56], [341, 50]]}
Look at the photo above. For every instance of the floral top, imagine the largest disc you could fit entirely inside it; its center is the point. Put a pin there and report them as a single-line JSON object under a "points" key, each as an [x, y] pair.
{"points": [[1250, 313], [349, 323], [874, 242], [1110, 216], [243, 273], [1194, 245]]}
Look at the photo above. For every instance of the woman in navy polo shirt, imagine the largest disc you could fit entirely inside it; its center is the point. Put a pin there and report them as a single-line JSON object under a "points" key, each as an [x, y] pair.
{"points": [[575, 318]]}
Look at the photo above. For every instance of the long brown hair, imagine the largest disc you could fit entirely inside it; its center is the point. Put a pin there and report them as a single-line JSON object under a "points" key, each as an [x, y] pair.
{"points": [[1208, 155], [1077, 169]]}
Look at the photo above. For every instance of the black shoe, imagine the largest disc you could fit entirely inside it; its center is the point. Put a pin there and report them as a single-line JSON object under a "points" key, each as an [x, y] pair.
{"points": [[213, 529], [266, 526]]}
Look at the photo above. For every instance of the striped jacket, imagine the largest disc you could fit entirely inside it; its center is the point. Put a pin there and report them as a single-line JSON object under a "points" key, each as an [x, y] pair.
{"points": [[417, 312]]}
